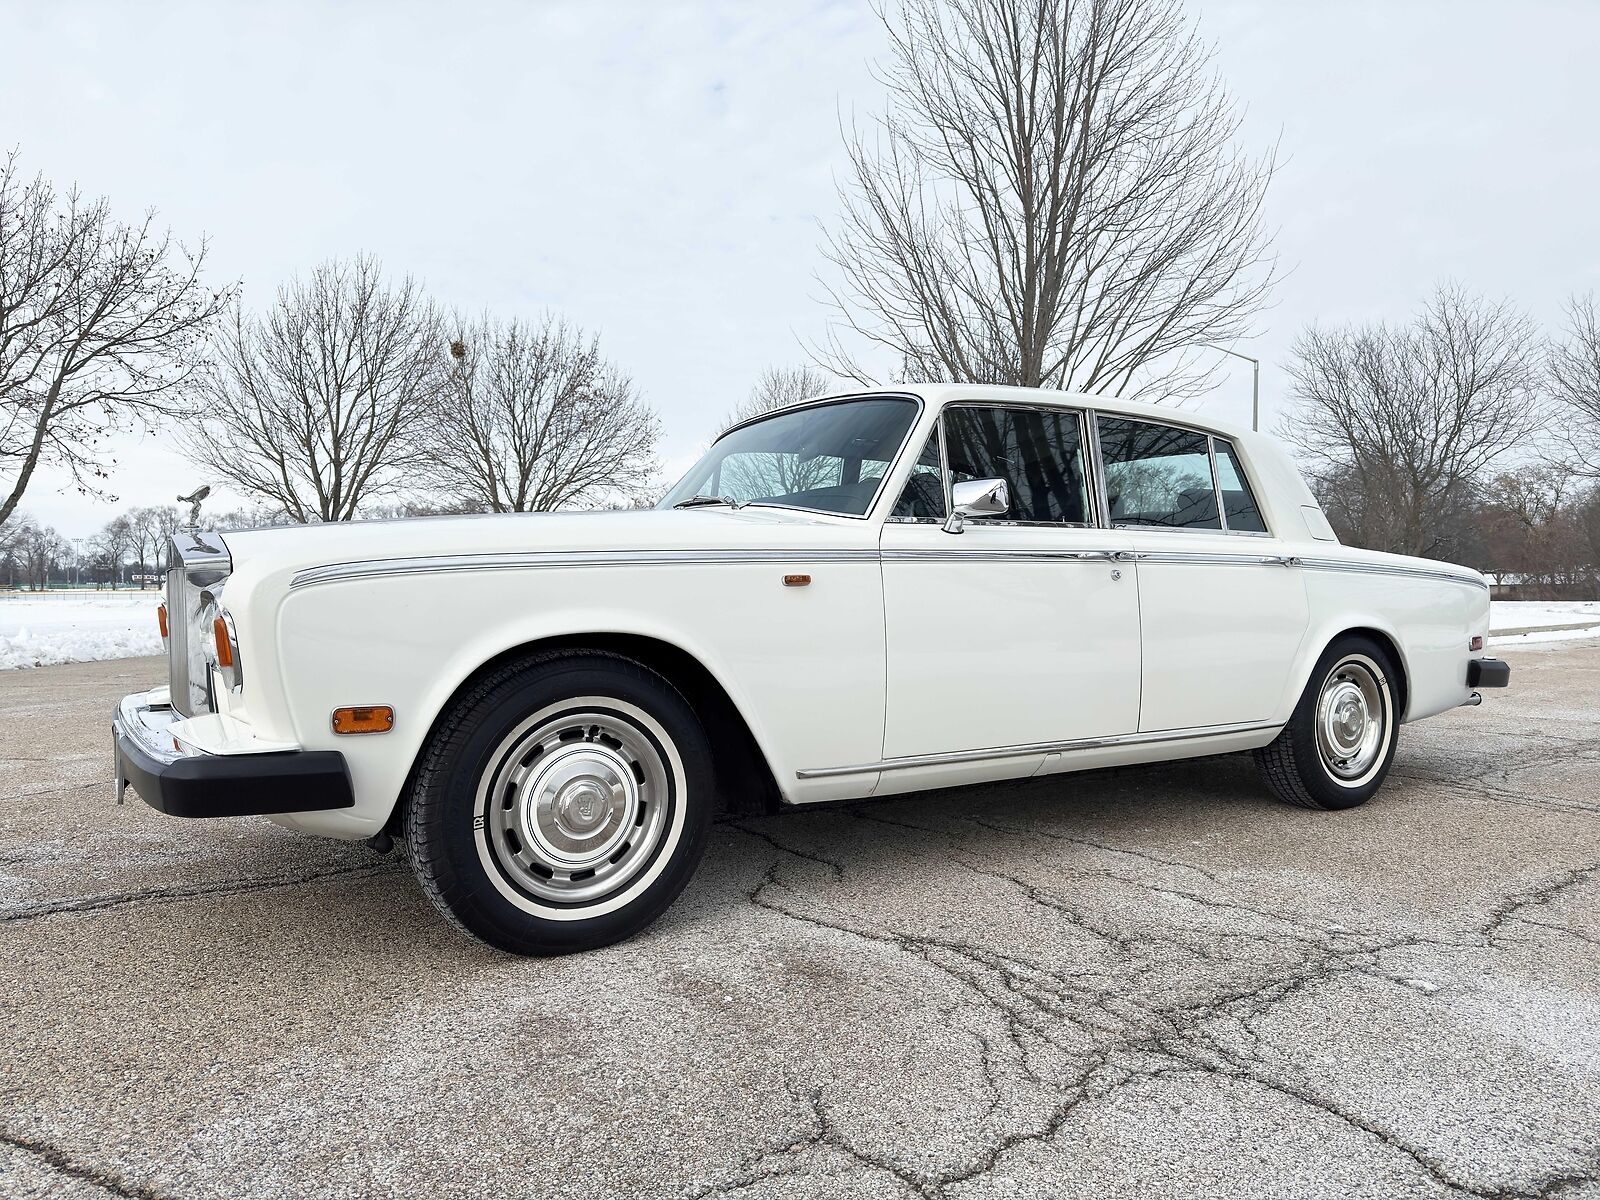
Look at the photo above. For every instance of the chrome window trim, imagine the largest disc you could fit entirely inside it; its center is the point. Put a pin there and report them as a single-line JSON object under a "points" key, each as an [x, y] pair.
{"points": [[959, 757], [1101, 497], [821, 402], [1249, 485], [1216, 484], [1089, 482]]}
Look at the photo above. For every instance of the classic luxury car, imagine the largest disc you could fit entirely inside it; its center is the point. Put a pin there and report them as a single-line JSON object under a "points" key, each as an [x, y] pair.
{"points": [[863, 595]]}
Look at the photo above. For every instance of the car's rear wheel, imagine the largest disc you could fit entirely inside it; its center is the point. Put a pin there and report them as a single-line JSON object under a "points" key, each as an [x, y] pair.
{"points": [[562, 804], [1338, 745]]}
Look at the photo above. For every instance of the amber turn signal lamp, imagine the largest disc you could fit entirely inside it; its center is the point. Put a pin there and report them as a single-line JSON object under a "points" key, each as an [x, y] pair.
{"points": [[161, 620], [219, 630], [796, 580], [371, 719]]}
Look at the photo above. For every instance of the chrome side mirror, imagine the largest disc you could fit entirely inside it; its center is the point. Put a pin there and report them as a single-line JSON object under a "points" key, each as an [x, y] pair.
{"points": [[977, 498]]}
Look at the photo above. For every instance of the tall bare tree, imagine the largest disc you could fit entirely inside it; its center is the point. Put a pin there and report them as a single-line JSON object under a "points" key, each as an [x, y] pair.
{"points": [[1053, 198], [149, 529], [768, 474], [100, 325], [779, 387], [1400, 422], [31, 552], [1574, 370], [310, 408], [532, 418]]}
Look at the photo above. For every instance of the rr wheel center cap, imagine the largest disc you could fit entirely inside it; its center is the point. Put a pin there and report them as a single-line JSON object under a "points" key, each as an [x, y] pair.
{"points": [[579, 804]]}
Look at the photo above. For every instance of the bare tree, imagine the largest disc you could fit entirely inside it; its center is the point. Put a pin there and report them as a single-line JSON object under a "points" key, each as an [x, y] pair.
{"points": [[1574, 370], [149, 530], [776, 474], [1053, 199], [1400, 422], [311, 407], [100, 324], [779, 387], [532, 418], [32, 551]]}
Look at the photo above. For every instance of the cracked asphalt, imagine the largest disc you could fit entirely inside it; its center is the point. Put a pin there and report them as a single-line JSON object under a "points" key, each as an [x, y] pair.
{"points": [[1146, 983]]}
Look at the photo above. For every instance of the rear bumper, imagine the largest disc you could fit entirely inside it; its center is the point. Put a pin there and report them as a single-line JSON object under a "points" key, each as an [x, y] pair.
{"points": [[1488, 673], [187, 784]]}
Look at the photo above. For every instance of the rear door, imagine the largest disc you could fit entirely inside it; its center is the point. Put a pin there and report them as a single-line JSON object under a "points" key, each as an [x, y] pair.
{"points": [[1222, 610]]}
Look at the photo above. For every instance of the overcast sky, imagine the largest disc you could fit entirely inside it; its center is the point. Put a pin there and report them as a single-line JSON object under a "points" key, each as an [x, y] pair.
{"points": [[657, 171]]}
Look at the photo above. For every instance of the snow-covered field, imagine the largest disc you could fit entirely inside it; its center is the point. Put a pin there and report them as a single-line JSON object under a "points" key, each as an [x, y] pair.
{"points": [[36, 631], [62, 627], [1582, 618]]}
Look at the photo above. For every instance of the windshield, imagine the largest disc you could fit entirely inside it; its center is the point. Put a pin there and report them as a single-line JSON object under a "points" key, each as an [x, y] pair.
{"points": [[830, 458]]}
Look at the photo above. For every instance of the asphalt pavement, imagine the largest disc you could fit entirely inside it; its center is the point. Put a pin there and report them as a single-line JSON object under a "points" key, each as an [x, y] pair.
{"points": [[1146, 983]]}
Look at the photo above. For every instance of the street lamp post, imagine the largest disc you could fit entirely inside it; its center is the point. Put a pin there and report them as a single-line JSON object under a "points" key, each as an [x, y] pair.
{"points": [[1255, 384]]}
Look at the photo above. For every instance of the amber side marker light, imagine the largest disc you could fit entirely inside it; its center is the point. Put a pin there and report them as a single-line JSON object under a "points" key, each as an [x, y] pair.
{"points": [[219, 631], [371, 719], [161, 620], [796, 581]]}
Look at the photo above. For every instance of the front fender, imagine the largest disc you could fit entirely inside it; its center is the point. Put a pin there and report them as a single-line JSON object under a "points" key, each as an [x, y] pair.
{"points": [[410, 643]]}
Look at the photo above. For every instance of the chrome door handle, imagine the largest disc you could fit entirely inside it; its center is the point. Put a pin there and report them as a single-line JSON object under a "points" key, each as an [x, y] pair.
{"points": [[1127, 555]]}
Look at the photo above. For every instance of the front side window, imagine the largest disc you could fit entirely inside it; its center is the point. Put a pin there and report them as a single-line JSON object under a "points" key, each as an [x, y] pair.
{"points": [[922, 499], [1158, 475], [1038, 452], [1237, 502], [827, 458]]}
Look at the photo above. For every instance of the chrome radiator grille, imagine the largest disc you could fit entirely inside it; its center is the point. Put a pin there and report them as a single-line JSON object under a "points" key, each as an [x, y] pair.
{"points": [[197, 566]]}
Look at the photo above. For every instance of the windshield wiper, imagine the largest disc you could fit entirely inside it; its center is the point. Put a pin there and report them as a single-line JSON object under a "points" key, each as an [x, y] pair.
{"points": [[701, 501]]}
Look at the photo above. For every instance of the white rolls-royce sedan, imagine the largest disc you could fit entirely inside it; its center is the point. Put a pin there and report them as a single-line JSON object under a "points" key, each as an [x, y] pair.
{"points": [[863, 595]]}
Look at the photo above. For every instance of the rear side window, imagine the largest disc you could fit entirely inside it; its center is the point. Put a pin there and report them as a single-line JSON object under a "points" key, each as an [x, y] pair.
{"points": [[1158, 475], [1038, 452], [1237, 502]]}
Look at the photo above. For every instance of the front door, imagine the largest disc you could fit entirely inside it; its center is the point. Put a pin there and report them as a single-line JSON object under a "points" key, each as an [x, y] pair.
{"points": [[1021, 629]]}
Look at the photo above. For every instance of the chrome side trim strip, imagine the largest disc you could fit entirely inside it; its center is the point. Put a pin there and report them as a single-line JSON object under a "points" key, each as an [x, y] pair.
{"points": [[1243, 560], [544, 559], [997, 555], [958, 757], [1340, 564]]}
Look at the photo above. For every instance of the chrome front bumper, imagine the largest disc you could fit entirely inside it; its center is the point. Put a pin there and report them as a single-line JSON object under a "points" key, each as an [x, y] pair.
{"points": [[187, 783]]}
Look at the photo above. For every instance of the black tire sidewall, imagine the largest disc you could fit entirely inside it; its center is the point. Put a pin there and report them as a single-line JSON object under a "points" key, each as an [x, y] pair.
{"points": [[444, 805], [1302, 726]]}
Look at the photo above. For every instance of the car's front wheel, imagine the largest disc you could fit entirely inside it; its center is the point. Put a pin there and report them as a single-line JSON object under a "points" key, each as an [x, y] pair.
{"points": [[562, 804], [1337, 747]]}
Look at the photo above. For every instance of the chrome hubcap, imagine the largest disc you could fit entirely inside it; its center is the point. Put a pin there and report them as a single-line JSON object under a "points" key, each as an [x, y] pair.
{"points": [[575, 805], [1352, 719]]}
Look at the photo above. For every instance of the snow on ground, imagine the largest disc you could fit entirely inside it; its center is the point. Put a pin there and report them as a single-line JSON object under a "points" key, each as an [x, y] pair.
{"points": [[62, 627], [1581, 617], [1530, 614]]}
